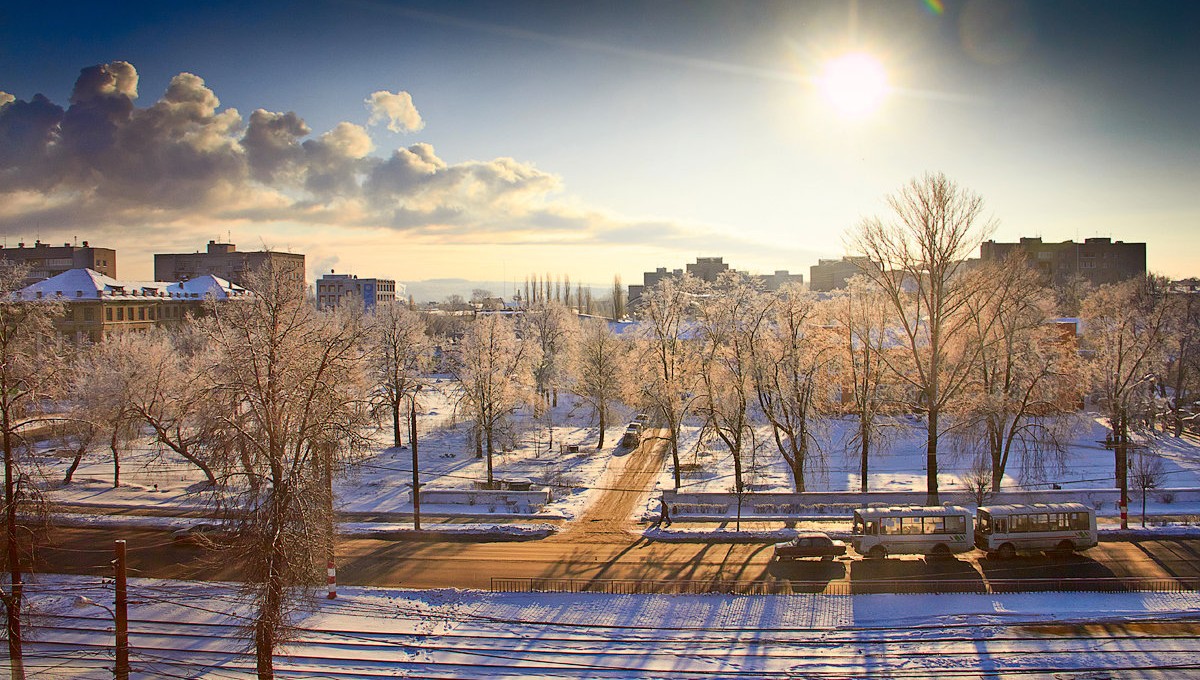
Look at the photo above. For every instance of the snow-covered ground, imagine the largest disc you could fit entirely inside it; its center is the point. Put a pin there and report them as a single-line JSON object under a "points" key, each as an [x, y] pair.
{"points": [[188, 629], [535, 448]]}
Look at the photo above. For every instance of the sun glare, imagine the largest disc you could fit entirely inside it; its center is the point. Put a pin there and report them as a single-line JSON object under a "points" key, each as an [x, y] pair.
{"points": [[855, 84]]}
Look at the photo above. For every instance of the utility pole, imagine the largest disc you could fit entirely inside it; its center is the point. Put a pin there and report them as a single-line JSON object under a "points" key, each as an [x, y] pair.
{"points": [[121, 614], [16, 594], [416, 465], [330, 564]]}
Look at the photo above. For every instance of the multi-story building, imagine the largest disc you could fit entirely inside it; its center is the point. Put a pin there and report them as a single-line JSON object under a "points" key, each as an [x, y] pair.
{"points": [[709, 269], [333, 289], [225, 261], [1097, 260], [45, 260], [96, 305], [829, 275]]}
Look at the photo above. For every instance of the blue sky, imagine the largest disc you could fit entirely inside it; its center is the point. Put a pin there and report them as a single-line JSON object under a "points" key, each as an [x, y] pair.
{"points": [[587, 139]]}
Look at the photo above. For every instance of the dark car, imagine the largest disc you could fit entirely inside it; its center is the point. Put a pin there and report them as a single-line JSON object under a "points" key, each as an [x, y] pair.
{"points": [[809, 544]]}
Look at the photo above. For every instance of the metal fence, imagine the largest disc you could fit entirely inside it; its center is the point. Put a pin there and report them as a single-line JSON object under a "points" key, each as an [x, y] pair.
{"points": [[852, 587]]}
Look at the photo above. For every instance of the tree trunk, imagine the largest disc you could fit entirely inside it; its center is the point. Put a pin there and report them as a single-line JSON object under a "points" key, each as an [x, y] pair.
{"points": [[70, 474], [116, 454], [864, 438], [931, 476], [489, 457], [600, 445], [396, 441], [16, 595]]}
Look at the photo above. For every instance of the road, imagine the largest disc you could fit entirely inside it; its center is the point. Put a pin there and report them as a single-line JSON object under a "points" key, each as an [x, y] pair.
{"points": [[603, 544]]}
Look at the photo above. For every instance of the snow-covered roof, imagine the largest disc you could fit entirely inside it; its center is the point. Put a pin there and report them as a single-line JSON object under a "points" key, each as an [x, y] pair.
{"points": [[87, 284]]}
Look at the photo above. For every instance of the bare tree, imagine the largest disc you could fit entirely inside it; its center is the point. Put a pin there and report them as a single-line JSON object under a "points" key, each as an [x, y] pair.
{"points": [[29, 369], [285, 386], [978, 479], [400, 353], [495, 372], [665, 368], [1146, 473], [597, 370], [795, 362], [935, 227], [862, 321], [111, 369], [1126, 328], [1027, 377]]}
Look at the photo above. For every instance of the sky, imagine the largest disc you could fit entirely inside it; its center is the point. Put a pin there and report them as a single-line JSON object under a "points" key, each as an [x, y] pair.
{"points": [[493, 140]]}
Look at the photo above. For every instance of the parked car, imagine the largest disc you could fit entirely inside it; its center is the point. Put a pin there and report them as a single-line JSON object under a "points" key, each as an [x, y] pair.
{"points": [[809, 544]]}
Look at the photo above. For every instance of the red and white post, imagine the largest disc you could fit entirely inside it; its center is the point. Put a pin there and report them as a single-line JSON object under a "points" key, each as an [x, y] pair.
{"points": [[331, 570]]}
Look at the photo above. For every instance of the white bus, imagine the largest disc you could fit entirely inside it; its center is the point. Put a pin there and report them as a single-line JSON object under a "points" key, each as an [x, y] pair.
{"points": [[1005, 530], [940, 531]]}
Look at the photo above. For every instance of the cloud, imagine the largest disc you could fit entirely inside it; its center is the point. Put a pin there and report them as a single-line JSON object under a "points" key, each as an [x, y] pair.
{"points": [[183, 167], [396, 108]]}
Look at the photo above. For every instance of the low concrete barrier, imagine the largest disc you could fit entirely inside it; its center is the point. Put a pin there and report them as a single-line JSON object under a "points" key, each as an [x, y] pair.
{"points": [[841, 504], [501, 500]]}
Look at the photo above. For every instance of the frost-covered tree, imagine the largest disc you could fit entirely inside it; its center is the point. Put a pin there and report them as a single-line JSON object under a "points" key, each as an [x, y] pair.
{"points": [[1027, 379], [400, 353], [598, 370], [1126, 328], [861, 320], [729, 326], [495, 372], [554, 329], [795, 367], [665, 367], [921, 249], [286, 390]]}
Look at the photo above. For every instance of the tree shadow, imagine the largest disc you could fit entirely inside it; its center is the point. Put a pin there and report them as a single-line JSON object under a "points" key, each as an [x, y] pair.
{"points": [[808, 576], [922, 575], [1048, 572]]}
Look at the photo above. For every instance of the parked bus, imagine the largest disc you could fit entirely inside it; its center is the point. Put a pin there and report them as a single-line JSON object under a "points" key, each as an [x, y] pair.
{"points": [[1005, 530], [940, 531]]}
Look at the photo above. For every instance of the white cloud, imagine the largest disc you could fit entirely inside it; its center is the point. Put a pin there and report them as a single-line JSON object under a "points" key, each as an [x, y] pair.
{"points": [[395, 108]]}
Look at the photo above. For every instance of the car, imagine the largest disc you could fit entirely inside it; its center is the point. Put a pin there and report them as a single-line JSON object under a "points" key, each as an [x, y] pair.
{"points": [[809, 544]]}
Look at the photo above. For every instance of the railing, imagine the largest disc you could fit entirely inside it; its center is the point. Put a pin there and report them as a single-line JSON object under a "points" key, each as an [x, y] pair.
{"points": [[854, 587]]}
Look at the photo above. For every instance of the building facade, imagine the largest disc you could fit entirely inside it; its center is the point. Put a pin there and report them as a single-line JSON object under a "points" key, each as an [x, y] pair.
{"points": [[225, 261], [828, 275], [45, 260], [96, 305], [1097, 260], [334, 289]]}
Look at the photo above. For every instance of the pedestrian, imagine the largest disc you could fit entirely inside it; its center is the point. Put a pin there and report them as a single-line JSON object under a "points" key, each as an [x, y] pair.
{"points": [[664, 517]]}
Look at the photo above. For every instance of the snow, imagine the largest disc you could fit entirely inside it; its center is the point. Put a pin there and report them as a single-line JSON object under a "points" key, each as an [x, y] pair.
{"points": [[187, 629]]}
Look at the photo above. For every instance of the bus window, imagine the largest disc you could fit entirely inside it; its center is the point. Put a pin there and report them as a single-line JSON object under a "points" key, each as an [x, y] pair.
{"points": [[1020, 523], [1039, 522], [872, 528], [889, 525], [935, 525], [985, 522], [1079, 520], [956, 524], [1002, 525], [911, 526]]}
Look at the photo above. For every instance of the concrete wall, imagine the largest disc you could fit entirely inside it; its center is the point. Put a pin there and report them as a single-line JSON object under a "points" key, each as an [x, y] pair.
{"points": [[837, 505], [519, 502]]}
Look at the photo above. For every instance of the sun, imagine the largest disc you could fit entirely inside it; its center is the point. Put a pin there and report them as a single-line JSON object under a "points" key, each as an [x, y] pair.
{"points": [[855, 84]]}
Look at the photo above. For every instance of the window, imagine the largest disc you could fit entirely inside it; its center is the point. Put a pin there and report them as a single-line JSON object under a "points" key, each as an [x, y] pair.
{"points": [[889, 525], [1020, 523], [956, 524], [88, 314], [108, 314], [935, 525], [911, 526], [141, 313], [120, 313]]}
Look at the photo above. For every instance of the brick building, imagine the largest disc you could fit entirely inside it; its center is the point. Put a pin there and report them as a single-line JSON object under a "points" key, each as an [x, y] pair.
{"points": [[45, 260], [333, 289], [1098, 260], [225, 261]]}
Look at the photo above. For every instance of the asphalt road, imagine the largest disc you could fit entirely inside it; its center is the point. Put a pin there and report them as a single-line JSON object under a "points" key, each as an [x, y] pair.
{"points": [[603, 544]]}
